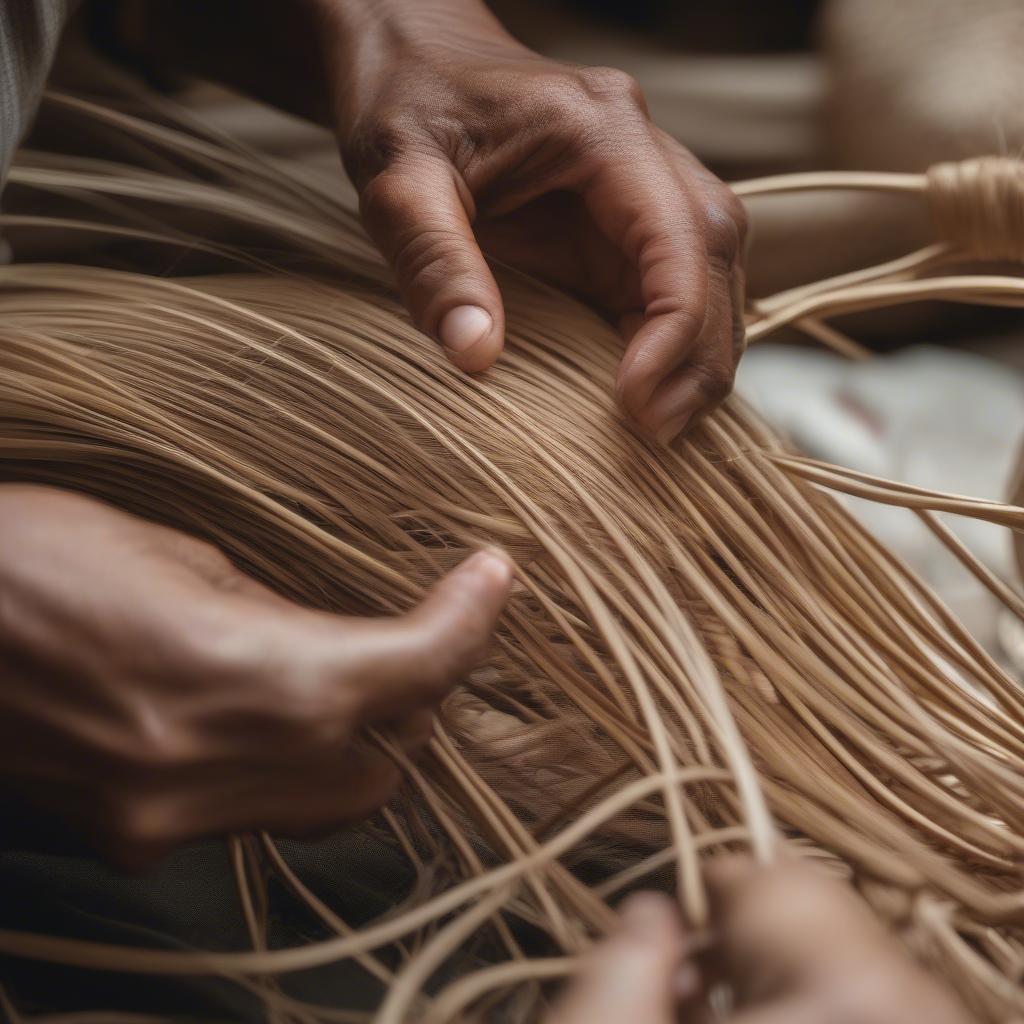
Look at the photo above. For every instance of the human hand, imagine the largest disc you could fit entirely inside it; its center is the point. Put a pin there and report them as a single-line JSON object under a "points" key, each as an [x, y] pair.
{"points": [[462, 142], [795, 947], [153, 694]]}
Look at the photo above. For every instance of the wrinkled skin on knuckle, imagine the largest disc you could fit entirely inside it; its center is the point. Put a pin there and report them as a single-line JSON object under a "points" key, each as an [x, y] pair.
{"points": [[562, 107], [311, 707], [430, 257], [725, 230], [376, 143], [715, 382], [613, 86]]}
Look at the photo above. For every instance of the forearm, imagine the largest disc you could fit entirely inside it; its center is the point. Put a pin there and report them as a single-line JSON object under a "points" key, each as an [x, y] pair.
{"points": [[365, 39], [308, 57]]}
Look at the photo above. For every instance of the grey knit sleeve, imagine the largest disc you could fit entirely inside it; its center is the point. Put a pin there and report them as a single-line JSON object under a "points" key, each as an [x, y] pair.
{"points": [[29, 31]]}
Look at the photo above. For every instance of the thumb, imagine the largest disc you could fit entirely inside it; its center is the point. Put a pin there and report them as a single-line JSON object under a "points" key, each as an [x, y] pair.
{"points": [[633, 975], [418, 212], [411, 661]]}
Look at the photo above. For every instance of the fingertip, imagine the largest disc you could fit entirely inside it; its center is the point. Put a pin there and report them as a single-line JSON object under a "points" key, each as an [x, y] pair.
{"points": [[685, 398], [672, 428], [649, 915], [490, 566], [653, 423], [661, 343], [465, 604], [463, 327], [471, 337]]}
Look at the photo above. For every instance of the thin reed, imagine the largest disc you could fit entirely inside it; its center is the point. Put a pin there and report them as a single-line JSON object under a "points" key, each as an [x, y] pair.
{"points": [[706, 651]]}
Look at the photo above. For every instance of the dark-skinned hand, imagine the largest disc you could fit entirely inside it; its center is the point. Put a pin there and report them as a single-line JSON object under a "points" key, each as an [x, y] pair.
{"points": [[153, 694], [465, 144], [794, 946]]}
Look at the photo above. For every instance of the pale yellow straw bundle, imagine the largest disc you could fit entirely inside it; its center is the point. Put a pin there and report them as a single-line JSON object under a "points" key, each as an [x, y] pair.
{"points": [[706, 652]]}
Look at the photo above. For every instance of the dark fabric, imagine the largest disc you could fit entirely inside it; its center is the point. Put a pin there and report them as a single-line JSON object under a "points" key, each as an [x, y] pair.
{"points": [[189, 902]]}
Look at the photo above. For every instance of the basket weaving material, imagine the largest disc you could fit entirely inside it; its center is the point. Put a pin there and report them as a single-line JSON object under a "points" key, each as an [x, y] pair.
{"points": [[706, 652]]}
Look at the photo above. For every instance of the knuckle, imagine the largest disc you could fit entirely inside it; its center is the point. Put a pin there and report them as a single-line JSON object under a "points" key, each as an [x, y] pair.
{"points": [[737, 212], [611, 85], [304, 702], [217, 649], [202, 556], [156, 748], [431, 256], [687, 317], [714, 381], [442, 656], [314, 707], [374, 145], [325, 721], [579, 107], [725, 235]]}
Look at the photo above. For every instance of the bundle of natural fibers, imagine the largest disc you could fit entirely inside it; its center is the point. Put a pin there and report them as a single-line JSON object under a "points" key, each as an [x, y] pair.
{"points": [[704, 642]]}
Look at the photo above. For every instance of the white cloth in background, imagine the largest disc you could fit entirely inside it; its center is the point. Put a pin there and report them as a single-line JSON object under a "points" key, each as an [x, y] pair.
{"points": [[932, 417]]}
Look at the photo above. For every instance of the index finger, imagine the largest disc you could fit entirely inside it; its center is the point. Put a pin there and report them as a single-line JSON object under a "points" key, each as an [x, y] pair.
{"points": [[642, 205]]}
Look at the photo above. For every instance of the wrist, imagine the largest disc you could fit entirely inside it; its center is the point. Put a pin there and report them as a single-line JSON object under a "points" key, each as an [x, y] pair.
{"points": [[363, 42]]}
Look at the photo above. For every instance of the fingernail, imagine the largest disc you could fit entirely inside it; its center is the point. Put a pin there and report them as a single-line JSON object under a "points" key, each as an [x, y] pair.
{"points": [[493, 563], [462, 327]]}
